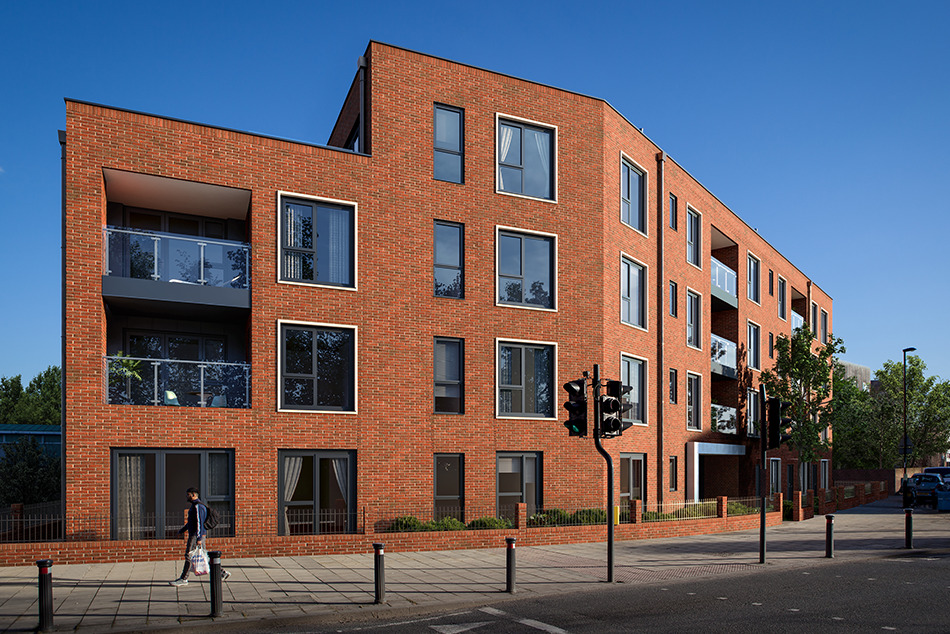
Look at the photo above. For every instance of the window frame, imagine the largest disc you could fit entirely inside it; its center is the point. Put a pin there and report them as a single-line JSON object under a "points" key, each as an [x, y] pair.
{"points": [[824, 327], [642, 226], [436, 498], [317, 455], [283, 324], [538, 502], [775, 476], [673, 210], [628, 265], [753, 286], [771, 345], [674, 473], [435, 147], [782, 298], [674, 386], [316, 201], [814, 320], [771, 278], [501, 230], [435, 262], [694, 243], [694, 324], [673, 299], [627, 360], [694, 402], [754, 344], [436, 381], [526, 123], [752, 414], [523, 343]]}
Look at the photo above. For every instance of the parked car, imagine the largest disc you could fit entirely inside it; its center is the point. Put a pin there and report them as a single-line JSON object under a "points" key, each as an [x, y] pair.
{"points": [[925, 486], [943, 472]]}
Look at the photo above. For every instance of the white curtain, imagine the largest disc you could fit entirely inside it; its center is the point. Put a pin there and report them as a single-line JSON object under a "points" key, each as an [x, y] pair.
{"points": [[339, 470], [130, 500], [293, 465], [505, 135], [338, 244], [543, 144]]}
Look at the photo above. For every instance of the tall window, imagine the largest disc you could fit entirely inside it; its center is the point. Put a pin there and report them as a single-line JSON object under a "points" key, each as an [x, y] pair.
{"points": [[317, 367], [673, 299], [694, 402], [694, 238], [449, 386], [753, 357], [632, 477], [518, 478], [674, 221], [814, 320], [693, 320], [632, 190], [632, 293], [449, 261], [824, 327], [317, 492], [525, 159], [525, 379], [775, 475], [449, 144], [782, 310], [771, 281], [633, 373], [753, 281], [317, 242], [148, 490], [752, 413], [525, 269], [674, 480], [771, 345], [674, 385], [823, 474], [448, 481]]}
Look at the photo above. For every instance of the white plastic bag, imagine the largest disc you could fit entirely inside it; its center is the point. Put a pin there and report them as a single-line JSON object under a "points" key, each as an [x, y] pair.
{"points": [[199, 561]]}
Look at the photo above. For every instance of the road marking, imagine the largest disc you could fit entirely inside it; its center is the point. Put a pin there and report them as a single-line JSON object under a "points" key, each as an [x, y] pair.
{"points": [[723, 598], [492, 611], [837, 618], [544, 627], [794, 610], [893, 629], [756, 604], [459, 627], [690, 593]]}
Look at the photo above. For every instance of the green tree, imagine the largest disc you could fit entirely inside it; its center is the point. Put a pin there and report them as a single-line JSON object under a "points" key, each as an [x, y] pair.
{"points": [[40, 402], [11, 390], [863, 434], [27, 474], [802, 377]]}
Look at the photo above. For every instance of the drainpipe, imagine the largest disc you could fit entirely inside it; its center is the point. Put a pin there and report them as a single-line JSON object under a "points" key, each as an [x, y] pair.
{"points": [[362, 71], [62, 366], [661, 383]]}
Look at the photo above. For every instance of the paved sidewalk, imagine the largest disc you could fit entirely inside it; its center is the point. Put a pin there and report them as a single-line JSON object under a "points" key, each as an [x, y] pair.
{"points": [[135, 596]]}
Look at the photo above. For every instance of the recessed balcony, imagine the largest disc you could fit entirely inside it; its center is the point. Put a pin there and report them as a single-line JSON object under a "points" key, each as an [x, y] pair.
{"points": [[722, 358], [723, 419], [177, 383], [725, 294]]}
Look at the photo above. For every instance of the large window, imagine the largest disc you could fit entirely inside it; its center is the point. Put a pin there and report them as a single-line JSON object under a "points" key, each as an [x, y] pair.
{"points": [[693, 320], [694, 237], [148, 490], [632, 477], [632, 196], [317, 369], [448, 250], [448, 357], [448, 481], [694, 402], [752, 413], [525, 379], [526, 269], [449, 144], [782, 306], [526, 159], [317, 491], [632, 293], [753, 289], [519, 481], [633, 373], [317, 241], [754, 348]]}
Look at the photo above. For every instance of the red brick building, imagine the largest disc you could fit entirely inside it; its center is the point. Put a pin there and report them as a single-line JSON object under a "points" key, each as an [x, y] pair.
{"points": [[321, 337]]}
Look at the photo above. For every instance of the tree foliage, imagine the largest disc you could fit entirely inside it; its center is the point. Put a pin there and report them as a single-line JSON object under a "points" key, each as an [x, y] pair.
{"points": [[27, 474], [801, 376], [862, 431], [37, 404]]}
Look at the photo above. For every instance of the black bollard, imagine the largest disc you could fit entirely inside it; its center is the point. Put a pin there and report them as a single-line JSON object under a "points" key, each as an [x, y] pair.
{"points": [[380, 569], [215, 574], [510, 585], [908, 528], [45, 585], [829, 536]]}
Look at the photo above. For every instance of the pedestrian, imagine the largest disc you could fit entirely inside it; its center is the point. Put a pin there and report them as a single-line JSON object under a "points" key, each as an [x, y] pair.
{"points": [[195, 530]]}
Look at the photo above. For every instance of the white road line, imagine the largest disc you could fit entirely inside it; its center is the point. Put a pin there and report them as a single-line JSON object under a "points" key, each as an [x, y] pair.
{"points": [[544, 627]]}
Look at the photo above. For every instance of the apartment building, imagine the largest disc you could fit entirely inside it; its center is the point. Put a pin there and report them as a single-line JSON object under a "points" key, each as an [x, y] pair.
{"points": [[320, 337]]}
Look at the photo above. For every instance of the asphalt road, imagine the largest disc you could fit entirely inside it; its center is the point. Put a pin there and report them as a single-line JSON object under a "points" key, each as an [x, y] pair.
{"points": [[903, 594]]}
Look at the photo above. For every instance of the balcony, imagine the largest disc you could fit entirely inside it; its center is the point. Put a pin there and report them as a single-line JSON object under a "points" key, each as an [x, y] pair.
{"points": [[725, 294], [174, 382], [797, 321], [723, 419], [722, 358]]}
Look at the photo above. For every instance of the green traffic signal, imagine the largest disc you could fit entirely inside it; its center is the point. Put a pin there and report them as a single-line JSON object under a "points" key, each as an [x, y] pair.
{"points": [[576, 407]]}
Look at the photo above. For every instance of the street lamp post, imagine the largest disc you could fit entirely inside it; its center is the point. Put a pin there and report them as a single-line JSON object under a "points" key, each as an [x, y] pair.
{"points": [[904, 444]]}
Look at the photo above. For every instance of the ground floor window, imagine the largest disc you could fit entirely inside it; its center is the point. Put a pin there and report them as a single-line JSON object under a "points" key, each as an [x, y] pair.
{"points": [[775, 475], [449, 486], [804, 479], [149, 485], [317, 492], [674, 484], [824, 473], [632, 477], [519, 480]]}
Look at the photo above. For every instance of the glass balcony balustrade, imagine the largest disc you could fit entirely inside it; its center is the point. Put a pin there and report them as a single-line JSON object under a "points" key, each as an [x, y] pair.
{"points": [[723, 277], [723, 352], [797, 320], [167, 257], [142, 381], [723, 419]]}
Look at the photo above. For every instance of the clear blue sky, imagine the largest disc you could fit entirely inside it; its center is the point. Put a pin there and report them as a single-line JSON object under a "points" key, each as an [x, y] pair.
{"points": [[823, 124]]}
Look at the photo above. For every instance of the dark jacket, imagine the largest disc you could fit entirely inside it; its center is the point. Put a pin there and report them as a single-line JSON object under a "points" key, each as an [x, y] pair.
{"points": [[196, 520]]}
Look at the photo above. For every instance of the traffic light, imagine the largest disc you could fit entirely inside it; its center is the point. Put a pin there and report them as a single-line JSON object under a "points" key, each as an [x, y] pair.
{"points": [[612, 409], [576, 407], [777, 421]]}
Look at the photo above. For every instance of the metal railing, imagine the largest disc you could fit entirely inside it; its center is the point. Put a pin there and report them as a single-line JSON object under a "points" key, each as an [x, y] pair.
{"points": [[153, 255], [723, 277], [723, 419], [307, 520], [143, 381], [445, 518], [797, 321], [671, 511], [747, 505], [32, 527], [723, 351]]}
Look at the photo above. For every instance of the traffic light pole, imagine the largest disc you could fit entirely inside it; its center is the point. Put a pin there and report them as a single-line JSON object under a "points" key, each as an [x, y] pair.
{"points": [[610, 476], [763, 432]]}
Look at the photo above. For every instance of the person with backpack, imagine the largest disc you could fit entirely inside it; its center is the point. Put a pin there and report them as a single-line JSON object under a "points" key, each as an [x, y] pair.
{"points": [[200, 519]]}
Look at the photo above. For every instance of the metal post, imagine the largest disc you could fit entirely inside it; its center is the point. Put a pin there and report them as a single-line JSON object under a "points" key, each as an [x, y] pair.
{"points": [[215, 574], [510, 585], [610, 475], [45, 587], [829, 536], [380, 573], [201, 269], [908, 528], [763, 481]]}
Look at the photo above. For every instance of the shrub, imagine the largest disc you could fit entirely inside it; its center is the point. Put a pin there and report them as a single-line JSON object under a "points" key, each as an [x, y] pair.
{"points": [[447, 523], [551, 517], [590, 516], [406, 524], [656, 516], [483, 523], [787, 510], [738, 508]]}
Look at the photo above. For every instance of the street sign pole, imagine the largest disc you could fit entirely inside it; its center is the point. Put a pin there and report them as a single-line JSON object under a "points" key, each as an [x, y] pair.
{"points": [[610, 476], [763, 433]]}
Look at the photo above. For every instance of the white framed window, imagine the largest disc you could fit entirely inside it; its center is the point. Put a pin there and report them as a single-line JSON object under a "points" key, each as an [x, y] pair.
{"points": [[694, 311], [527, 158], [633, 194], [775, 475], [633, 295], [633, 372], [752, 413], [526, 378], [782, 306], [824, 326], [694, 402], [694, 237], [814, 320], [526, 262], [754, 346], [753, 287]]}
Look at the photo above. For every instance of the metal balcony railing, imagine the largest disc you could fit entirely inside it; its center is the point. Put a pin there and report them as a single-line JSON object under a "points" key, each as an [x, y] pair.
{"points": [[797, 320], [723, 419], [167, 257], [723, 277], [141, 381], [723, 352]]}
